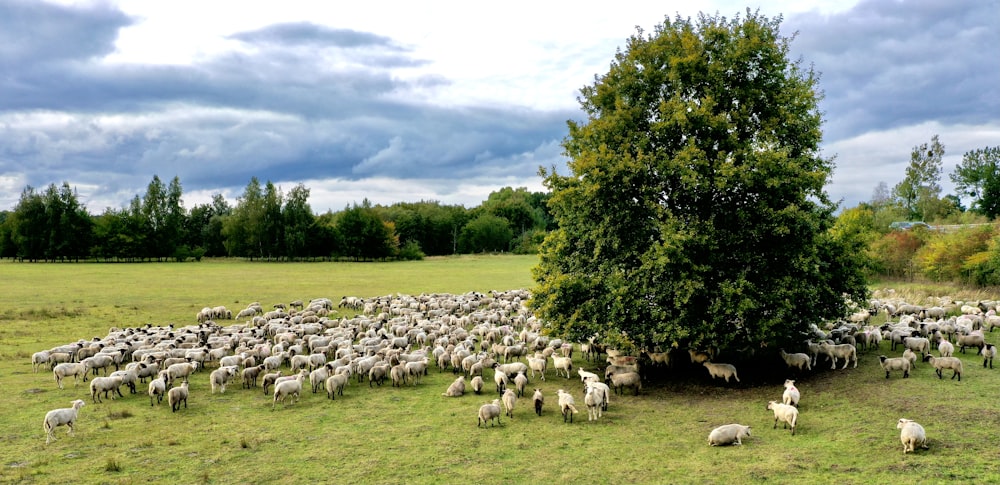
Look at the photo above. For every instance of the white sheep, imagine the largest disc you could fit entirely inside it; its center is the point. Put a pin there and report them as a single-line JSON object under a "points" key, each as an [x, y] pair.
{"points": [[628, 379], [538, 399], [847, 352], [974, 339], [477, 384], [798, 361], [728, 434], [105, 384], [564, 364], [177, 394], [38, 359], [538, 363], [721, 371], [594, 399], [940, 363], [489, 412], [946, 349], [791, 394], [221, 376], [66, 369], [291, 387], [509, 399], [585, 375], [567, 405], [58, 417], [911, 435], [181, 370], [501, 380], [335, 385], [157, 387], [786, 413], [910, 356], [269, 379], [605, 390], [895, 363], [457, 388], [989, 351]]}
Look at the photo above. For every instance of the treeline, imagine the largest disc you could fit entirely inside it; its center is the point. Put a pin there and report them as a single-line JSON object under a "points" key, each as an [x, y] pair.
{"points": [[265, 224]]}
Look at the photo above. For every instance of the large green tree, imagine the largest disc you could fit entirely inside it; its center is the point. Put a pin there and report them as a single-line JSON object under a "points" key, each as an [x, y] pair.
{"points": [[919, 191], [978, 176], [695, 212]]}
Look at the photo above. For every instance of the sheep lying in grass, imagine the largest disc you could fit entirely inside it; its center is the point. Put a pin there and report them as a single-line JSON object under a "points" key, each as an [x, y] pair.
{"points": [[176, 395], [567, 405], [457, 388], [785, 413], [58, 417], [538, 399], [911, 435], [940, 363], [895, 363], [721, 371], [489, 412], [797, 361], [988, 352], [594, 399], [220, 377], [477, 384], [629, 379], [728, 434], [509, 399], [791, 394]]}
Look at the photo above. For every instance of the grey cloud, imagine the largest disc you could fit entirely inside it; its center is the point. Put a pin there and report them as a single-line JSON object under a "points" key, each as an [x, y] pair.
{"points": [[41, 33], [305, 33]]}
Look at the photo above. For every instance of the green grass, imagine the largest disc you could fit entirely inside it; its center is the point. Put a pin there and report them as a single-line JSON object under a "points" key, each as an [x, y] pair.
{"points": [[846, 432]]}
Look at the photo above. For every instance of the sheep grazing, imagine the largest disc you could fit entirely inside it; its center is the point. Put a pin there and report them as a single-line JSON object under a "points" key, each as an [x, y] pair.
{"points": [[157, 387], [911, 435], [629, 379], [38, 359], [791, 394], [895, 363], [721, 371], [108, 384], [58, 417], [941, 363], [66, 369], [847, 352], [538, 399], [567, 405], [177, 394], [477, 384], [946, 349], [797, 361], [489, 412], [457, 388], [291, 387], [974, 339], [594, 399], [785, 413], [988, 352], [220, 377], [509, 399], [728, 434]]}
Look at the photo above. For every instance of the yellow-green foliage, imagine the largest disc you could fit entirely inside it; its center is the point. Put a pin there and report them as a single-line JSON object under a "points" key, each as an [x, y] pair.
{"points": [[945, 254]]}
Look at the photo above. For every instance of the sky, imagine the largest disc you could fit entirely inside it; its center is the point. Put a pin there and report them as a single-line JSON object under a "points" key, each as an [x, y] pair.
{"points": [[403, 101]]}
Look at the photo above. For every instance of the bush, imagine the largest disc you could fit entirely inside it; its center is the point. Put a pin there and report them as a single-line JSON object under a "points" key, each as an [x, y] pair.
{"points": [[944, 256], [411, 251]]}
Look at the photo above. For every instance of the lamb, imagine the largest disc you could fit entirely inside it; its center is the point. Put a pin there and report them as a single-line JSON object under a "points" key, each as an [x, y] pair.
{"points": [[721, 371], [538, 399], [629, 379], [220, 377], [509, 399], [335, 385], [567, 405], [489, 412], [291, 387], [562, 363], [594, 399], [457, 388], [176, 395], [791, 394], [157, 387], [988, 352], [58, 417], [841, 351], [911, 435], [477, 384], [940, 363], [786, 413], [946, 349], [105, 384], [895, 363], [798, 361], [728, 434], [64, 370]]}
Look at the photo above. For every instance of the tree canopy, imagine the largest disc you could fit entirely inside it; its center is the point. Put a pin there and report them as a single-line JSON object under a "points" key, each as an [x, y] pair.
{"points": [[695, 212]]}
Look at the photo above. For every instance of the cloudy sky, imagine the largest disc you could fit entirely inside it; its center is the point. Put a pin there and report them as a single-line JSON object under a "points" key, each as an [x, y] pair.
{"points": [[401, 101]]}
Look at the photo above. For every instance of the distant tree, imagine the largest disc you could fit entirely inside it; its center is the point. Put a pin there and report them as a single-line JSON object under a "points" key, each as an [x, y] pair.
{"points": [[695, 212], [30, 233], [272, 227], [919, 191], [978, 177], [486, 233], [364, 234], [203, 226], [8, 249], [243, 228], [299, 222]]}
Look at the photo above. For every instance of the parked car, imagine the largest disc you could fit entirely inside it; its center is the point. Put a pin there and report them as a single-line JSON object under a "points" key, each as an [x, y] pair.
{"points": [[907, 225]]}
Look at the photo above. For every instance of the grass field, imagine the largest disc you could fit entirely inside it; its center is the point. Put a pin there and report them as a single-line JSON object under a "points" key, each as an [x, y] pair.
{"points": [[846, 431]]}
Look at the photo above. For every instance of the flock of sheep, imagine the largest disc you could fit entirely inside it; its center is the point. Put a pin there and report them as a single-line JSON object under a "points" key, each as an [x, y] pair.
{"points": [[399, 337]]}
